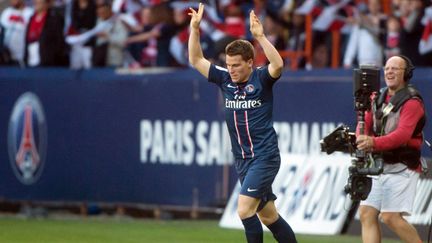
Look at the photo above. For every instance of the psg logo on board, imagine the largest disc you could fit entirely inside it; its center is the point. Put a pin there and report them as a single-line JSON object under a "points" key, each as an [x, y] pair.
{"points": [[27, 138]]}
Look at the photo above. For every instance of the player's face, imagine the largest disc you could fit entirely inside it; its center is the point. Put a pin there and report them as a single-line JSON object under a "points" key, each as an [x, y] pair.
{"points": [[238, 69], [394, 72]]}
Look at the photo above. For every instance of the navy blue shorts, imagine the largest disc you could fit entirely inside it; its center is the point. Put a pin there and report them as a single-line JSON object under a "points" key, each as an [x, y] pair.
{"points": [[256, 177]]}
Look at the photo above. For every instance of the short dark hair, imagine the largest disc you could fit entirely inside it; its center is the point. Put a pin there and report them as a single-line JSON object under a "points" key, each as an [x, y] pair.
{"points": [[240, 47]]}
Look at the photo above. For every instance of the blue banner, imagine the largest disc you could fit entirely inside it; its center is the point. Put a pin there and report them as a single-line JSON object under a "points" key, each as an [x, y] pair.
{"points": [[157, 137]]}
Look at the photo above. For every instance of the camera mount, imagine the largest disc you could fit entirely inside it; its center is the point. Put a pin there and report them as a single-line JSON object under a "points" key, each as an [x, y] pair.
{"points": [[366, 83]]}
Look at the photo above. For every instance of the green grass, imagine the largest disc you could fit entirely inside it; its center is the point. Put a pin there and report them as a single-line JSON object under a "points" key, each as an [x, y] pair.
{"points": [[111, 229]]}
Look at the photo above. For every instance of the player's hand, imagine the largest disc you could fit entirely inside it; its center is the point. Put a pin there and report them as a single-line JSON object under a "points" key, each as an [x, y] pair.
{"points": [[196, 16], [256, 27], [365, 143]]}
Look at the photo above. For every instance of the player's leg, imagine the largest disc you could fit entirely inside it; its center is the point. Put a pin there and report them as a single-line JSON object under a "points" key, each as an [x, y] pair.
{"points": [[247, 203], [256, 176], [246, 209], [281, 230], [401, 227], [371, 231], [268, 169]]}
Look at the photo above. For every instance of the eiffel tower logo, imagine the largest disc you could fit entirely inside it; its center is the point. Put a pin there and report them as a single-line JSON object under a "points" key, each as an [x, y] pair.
{"points": [[27, 158]]}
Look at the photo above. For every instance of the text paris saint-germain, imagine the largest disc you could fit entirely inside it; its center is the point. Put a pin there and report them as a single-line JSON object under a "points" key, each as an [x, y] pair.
{"points": [[207, 143]]}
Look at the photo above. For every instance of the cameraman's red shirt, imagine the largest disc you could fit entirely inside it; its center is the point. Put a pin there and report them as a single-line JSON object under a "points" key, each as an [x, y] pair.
{"points": [[411, 112]]}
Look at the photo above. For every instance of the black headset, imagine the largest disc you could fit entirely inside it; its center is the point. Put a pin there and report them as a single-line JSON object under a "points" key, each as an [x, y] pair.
{"points": [[409, 68]]}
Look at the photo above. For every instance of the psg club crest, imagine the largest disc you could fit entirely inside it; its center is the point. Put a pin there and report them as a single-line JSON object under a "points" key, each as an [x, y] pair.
{"points": [[27, 138], [250, 88]]}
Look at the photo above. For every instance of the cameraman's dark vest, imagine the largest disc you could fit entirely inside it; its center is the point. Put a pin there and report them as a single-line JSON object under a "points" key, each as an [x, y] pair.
{"points": [[386, 119]]}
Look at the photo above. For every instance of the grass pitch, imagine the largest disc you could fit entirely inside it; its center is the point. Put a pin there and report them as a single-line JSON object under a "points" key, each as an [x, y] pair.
{"points": [[111, 229]]}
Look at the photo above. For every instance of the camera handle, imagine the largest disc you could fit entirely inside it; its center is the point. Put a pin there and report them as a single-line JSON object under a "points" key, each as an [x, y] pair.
{"points": [[359, 184], [360, 155]]}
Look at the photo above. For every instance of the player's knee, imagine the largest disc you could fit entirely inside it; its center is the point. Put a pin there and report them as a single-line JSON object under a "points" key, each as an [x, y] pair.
{"points": [[268, 219], [245, 211], [247, 206]]}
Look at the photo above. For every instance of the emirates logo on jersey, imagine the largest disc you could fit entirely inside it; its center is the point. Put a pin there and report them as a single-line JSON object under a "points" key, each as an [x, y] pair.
{"points": [[242, 104]]}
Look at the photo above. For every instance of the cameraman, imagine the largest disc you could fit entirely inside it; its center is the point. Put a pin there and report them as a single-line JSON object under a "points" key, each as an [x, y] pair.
{"points": [[395, 134]]}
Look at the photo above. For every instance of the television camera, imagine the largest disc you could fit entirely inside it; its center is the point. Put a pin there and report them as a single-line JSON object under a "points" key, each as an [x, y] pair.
{"points": [[366, 82]]}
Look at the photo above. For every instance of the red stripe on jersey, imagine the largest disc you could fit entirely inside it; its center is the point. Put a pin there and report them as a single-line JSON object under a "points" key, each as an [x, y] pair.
{"points": [[249, 136], [238, 134]]}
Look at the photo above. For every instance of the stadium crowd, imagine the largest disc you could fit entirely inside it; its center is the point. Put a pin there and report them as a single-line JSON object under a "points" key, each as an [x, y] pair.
{"points": [[148, 33]]}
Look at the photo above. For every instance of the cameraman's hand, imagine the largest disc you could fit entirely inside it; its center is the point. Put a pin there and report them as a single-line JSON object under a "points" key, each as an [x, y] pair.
{"points": [[365, 143]]}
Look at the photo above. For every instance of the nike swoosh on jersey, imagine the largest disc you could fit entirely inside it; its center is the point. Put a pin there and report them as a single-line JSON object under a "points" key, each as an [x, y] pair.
{"points": [[252, 190]]}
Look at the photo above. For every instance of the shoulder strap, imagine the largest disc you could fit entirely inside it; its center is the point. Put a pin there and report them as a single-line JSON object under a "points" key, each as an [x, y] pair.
{"points": [[382, 96], [395, 103], [403, 95], [378, 102]]}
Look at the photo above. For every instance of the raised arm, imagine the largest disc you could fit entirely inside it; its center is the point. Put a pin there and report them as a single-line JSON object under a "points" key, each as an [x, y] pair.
{"points": [[276, 62], [196, 56]]}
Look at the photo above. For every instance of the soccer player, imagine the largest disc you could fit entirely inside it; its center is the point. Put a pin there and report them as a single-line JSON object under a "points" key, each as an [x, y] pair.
{"points": [[248, 96]]}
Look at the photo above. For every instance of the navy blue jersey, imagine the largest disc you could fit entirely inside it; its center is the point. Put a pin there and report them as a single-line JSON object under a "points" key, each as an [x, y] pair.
{"points": [[248, 112]]}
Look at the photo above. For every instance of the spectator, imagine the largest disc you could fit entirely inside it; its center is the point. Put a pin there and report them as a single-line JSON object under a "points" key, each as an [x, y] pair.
{"points": [[164, 29], [219, 50], [235, 25], [178, 42], [83, 19], [412, 12], [392, 37], [110, 42], [320, 55], [14, 20], [296, 36], [395, 7], [144, 52], [425, 45], [274, 32], [45, 45], [364, 44], [259, 8], [162, 34]]}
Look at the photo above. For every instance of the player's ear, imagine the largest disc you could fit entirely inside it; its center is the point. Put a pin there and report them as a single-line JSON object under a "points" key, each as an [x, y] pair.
{"points": [[250, 63]]}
